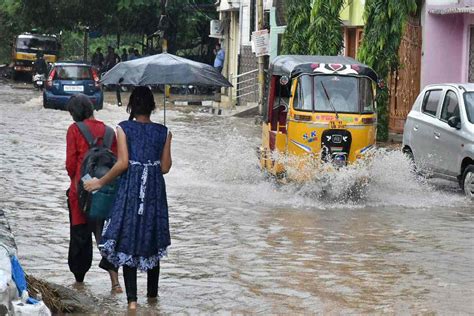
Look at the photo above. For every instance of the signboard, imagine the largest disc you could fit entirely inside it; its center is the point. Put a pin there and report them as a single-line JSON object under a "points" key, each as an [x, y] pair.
{"points": [[267, 4], [261, 42]]}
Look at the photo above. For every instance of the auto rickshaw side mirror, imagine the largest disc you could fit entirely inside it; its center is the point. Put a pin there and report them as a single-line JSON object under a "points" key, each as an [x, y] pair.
{"points": [[284, 80]]}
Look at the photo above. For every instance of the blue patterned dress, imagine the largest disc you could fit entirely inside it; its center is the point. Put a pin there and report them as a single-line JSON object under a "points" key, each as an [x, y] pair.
{"points": [[137, 233]]}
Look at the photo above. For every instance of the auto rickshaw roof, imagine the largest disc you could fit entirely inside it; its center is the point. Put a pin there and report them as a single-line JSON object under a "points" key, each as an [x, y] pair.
{"points": [[295, 65]]}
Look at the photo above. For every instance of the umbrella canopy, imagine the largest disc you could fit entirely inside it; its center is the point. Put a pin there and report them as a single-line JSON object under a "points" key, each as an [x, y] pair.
{"points": [[165, 69]]}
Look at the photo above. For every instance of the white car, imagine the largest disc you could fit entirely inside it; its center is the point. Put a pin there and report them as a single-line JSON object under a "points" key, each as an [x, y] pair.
{"points": [[439, 133]]}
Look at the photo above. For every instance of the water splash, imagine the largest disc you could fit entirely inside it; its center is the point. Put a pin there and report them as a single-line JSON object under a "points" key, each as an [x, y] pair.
{"points": [[387, 179]]}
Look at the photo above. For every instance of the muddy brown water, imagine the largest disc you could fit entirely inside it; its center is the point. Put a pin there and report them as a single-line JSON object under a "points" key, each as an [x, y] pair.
{"points": [[241, 243]]}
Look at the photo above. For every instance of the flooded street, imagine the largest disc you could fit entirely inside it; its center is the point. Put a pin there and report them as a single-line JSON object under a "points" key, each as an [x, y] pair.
{"points": [[241, 243]]}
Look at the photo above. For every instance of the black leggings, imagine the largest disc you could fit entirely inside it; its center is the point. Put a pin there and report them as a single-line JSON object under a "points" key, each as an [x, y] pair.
{"points": [[80, 248], [130, 278]]}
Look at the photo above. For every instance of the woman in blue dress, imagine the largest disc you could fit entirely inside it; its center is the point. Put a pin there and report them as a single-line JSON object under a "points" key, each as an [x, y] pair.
{"points": [[137, 234]]}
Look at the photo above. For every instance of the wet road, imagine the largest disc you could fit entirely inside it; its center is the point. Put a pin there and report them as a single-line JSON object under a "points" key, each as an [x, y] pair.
{"points": [[242, 244]]}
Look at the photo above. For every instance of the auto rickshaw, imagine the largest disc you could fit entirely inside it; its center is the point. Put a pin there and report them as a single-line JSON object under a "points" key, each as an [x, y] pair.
{"points": [[317, 109]]}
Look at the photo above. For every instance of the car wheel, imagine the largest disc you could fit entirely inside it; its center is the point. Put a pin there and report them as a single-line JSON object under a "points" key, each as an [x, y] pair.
{"points": [[467, 183]]}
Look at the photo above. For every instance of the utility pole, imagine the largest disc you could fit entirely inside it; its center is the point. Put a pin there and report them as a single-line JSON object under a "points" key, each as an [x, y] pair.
{"points": [[86, 43], [163, 21], [261, 59]]}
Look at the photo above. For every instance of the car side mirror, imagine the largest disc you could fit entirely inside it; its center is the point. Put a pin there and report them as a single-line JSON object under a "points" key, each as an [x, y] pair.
{"points": [[454, 122]]}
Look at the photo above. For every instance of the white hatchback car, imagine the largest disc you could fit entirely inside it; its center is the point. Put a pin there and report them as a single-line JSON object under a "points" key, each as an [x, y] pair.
{"points": [[439, 133]]}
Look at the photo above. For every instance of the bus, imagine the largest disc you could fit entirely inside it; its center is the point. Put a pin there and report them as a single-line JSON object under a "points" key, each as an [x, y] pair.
{"points": [[27, 45]]}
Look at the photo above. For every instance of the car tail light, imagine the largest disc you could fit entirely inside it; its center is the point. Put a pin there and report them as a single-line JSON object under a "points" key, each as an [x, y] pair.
{"points": [[49, 82], [96, 78], [368, 120]]}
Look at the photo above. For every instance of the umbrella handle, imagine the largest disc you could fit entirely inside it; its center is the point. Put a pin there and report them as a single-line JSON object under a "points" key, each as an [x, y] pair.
{"points": [[164, 106]]}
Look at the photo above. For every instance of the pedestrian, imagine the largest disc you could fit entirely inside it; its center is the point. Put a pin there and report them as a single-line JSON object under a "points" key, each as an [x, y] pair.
{"points": [[41, 67], [124, 56], [131, 54], [98, 59], [137, 53], [81, 227], [111, 59], [220, 57], [137, 234]]}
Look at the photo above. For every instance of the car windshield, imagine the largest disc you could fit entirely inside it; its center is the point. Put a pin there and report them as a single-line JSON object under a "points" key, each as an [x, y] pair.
{"points": [[328, 92], [45, 44], [73, 73], [469, 102]]}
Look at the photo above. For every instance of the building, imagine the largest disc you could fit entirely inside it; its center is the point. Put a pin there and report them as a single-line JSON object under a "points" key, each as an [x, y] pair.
{"points": [[353, 26], [237, 21], [448, 41]]}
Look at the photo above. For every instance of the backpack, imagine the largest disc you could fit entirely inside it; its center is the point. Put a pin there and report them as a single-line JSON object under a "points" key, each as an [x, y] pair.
{"points": [[98, 160]]}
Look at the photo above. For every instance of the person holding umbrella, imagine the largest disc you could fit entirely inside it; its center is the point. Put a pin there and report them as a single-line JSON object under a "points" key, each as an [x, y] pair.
{"points": [[164, 69], [137, 234]]}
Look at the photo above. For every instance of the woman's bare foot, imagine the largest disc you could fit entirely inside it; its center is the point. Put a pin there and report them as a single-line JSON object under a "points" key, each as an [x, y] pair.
{"points": [[132, 305]]}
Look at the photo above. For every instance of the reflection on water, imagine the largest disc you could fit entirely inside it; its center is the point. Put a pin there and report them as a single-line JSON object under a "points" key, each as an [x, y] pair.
{"points": [[242, 243]]}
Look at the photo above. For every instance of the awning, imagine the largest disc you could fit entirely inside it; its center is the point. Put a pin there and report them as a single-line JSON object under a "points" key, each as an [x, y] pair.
{"points": [[451, 10]]}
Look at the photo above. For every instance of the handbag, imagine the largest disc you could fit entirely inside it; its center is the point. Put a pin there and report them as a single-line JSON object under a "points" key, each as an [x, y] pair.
{"points": [[102, 201]]}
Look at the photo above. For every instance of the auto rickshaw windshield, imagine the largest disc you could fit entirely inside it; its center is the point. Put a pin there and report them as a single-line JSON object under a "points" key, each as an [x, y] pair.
{"points": [[326, 93]]}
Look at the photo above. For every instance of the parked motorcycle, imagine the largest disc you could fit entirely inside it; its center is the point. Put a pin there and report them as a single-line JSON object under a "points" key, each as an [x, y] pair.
{"points": [[38, 81]]}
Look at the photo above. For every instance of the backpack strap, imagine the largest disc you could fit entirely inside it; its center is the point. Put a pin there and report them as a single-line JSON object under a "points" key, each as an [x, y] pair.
{"points": [[86, 133], [108, 137]]}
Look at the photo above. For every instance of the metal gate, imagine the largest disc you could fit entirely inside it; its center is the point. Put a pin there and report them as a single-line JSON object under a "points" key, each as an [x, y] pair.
{"points": [[405, 82]]}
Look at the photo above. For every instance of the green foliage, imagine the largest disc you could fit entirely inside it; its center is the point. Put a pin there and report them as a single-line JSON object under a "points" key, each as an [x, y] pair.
{"points": [[385, 21], [189, 22], [325, 29], [296, 36]]}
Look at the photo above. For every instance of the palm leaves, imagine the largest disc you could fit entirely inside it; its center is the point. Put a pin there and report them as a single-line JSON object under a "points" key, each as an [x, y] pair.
{"points": [[325, 29], [385, 21], [314, 27], [295, 38]]}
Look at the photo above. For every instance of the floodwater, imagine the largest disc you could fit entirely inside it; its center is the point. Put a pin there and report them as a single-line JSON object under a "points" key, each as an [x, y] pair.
{"points": [[241, 243]]}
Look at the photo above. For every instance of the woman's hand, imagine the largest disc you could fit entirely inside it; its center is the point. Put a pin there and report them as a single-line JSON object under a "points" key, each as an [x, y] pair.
{"points": [[92, 185]]}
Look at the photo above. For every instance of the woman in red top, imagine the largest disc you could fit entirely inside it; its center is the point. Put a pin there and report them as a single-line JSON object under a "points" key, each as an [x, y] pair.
{"points": [[82, 228]]}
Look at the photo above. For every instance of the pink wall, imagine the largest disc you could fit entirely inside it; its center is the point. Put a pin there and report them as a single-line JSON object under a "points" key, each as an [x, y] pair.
{"points": [[445, 40]]}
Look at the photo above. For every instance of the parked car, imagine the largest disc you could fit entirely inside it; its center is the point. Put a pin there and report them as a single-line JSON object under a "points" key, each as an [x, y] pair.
{"points": [[68, 78], [439, 133]]}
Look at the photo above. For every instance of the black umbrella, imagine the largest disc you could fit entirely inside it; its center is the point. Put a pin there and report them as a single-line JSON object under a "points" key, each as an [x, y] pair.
{"points": [[165, 69]]}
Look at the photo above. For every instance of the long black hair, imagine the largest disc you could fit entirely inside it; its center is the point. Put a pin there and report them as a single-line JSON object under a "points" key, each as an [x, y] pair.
{"points": [[141, 102], [80, 107]]}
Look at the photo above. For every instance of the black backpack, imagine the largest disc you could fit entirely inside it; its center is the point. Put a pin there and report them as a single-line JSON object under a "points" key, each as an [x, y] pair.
{"points": [[98, 160]]}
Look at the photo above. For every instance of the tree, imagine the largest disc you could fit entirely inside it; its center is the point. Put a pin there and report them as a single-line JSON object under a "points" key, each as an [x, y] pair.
{"points": [[385, 21], [325, 28], [188, 32], [296, 36]]}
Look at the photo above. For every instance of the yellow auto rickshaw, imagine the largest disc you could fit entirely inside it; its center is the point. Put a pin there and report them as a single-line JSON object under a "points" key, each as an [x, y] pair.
{"points": [[318, 108]]}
